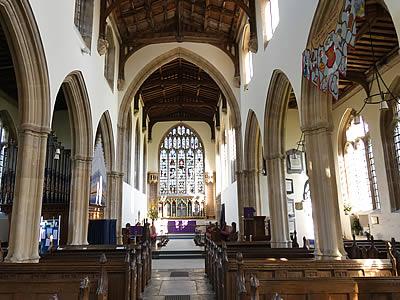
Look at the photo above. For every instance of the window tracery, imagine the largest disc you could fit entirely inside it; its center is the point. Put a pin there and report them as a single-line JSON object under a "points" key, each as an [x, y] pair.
{"points": [[181, 163], [360, 169]]}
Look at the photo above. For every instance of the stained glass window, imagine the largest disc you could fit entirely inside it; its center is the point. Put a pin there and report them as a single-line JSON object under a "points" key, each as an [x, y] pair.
{"points": [[3, 145], [181, 163], [360, 167]]}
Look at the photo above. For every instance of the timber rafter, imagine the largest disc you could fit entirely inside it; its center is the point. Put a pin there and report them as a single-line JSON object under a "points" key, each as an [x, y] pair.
{"points": [[144, 22]]}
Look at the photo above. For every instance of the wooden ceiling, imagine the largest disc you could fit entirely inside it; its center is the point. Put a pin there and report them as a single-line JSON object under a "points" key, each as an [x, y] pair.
{"points": [[8, 82], [180, 91], [144, 22], [377, 28]]}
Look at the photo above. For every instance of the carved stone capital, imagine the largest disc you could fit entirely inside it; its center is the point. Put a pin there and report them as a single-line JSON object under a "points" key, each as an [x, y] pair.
{"points": [[102, 46], [253, 42]]}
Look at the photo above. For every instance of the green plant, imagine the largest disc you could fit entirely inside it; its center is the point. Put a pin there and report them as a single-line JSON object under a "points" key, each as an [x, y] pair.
{"points": [[153, 213], [355, 225]]}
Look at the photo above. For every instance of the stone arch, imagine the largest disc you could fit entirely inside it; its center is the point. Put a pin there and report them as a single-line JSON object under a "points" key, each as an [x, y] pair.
{"points": [[194, 58], [274, 149], [105, 125], [80, 116], [252, 143], [16, 17], [317, 126], [22, 33]]}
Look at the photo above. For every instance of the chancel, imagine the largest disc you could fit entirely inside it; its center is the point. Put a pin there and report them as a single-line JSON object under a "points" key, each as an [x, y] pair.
{"points": [[203, 149]]}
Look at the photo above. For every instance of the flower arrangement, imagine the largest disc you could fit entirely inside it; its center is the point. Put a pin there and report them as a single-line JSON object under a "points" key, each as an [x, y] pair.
{"points": [[153, 212]]}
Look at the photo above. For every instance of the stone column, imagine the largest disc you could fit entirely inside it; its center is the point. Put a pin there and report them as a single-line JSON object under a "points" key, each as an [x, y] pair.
{"points": [[278, 202], [321, 173], [114, 195], [240, 176], [27, 205], [210, 195], [253, 191], [79, 203]]}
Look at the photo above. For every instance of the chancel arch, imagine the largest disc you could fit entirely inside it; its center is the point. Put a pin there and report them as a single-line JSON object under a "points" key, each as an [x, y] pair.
{"points": [[192, 58]]}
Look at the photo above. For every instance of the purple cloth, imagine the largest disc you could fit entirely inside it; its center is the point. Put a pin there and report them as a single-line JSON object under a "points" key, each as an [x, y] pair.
{"points": [[181, 226], [136, 230]]}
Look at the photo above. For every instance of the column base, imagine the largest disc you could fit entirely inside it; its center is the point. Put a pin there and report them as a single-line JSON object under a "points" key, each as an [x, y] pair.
{"points": [[16, 260], [329, 255]]}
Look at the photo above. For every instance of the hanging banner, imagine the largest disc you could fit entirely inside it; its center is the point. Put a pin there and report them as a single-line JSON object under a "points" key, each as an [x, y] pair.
{"points": [[323, 65]]}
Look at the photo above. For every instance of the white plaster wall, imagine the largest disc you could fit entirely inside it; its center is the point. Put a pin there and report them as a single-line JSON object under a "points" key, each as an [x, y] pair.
{"points": [[62, 45], [389, 222], [161, 128], [229, 196], [304, 222], [133, 202]]}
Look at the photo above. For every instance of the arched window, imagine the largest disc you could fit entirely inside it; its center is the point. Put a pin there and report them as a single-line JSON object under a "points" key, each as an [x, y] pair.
{"points": [[128, 149], [247, 56], [84, 19], [98, 180], [109, 65], [181, 163], [144, 165], [137, 156], [359, 165], [390, 131], [271, 18]]}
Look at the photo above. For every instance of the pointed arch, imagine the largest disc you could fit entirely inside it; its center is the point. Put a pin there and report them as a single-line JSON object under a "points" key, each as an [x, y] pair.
{"points": [[105, 126], [28, 56], [80, 114], [253, 161], [18, 22], [274, 148]]}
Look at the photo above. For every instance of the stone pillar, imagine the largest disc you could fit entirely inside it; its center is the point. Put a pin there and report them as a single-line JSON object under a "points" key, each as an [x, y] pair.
{"points": [[114, 195], [240, 176], [278, 202], [321, 173], [27, 205], [253, 190], [79, 203], [210, 195]]}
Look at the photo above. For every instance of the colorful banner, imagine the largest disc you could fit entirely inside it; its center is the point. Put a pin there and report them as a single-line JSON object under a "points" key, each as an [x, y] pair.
{"points": [[323, 65]]}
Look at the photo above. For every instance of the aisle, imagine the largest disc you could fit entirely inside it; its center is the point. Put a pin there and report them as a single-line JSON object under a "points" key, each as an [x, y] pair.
{"points": [[179, 277]]}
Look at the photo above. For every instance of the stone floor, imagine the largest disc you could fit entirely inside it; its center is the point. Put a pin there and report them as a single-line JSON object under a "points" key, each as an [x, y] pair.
{"points": [[162, 284]]}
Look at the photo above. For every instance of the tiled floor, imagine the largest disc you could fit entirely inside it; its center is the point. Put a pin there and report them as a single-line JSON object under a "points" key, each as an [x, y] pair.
{"points": [[181, 244], [170, 264], [196, 285]]}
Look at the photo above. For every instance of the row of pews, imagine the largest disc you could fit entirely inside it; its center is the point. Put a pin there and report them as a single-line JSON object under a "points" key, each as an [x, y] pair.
{"points": [[81, 272], [252, 270]]}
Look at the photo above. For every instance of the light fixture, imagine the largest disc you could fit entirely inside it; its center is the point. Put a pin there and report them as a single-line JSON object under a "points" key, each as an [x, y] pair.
{"points": [[357, 119], [384, 94], [57, 154], [300, 147]]}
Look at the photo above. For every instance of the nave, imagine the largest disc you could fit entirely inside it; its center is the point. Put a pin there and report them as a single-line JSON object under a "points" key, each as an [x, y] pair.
{"points": [[265, 131]]}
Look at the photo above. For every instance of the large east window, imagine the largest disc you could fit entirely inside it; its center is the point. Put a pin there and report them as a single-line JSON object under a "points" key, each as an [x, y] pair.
{"points": [[181, 163], [360, 171]]}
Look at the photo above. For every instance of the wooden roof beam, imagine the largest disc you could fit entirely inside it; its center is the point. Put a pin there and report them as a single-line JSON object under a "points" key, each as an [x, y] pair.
{"points": [[149, 13]]}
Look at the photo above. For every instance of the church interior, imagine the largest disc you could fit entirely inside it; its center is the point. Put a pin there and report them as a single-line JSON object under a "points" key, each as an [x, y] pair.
{"points": [[200, 149]]}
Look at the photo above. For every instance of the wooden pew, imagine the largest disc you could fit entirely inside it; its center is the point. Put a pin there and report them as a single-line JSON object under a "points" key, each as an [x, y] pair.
{"points": [[220, 255], [335, 279], [128, 267], [54, 281]]}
